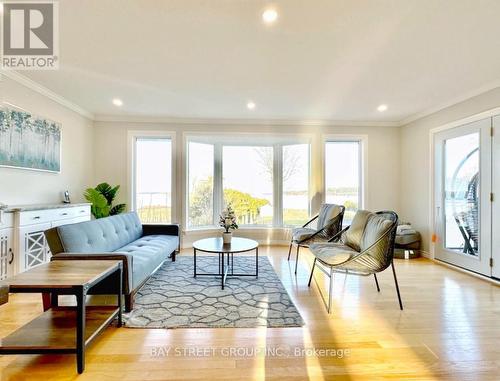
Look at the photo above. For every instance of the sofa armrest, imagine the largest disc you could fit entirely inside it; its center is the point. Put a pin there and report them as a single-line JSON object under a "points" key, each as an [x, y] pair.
{"points": [[126, 258], [158, 229]]}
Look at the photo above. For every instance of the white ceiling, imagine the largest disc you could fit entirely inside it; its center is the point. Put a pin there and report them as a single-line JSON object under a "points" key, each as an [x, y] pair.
{"points": [[322, 60]]}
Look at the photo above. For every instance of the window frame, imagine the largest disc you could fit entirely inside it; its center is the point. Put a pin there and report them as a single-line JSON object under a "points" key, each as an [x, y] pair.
{"points": [[133, 136], [219, 140], [362, 140]]}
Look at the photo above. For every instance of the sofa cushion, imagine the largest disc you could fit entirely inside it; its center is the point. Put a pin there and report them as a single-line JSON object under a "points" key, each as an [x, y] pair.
{"points": [[148, 253], [375, 228], [354, 234], [102, 235], [298, 234], [332, 253], [407, 239], [326, 213]]}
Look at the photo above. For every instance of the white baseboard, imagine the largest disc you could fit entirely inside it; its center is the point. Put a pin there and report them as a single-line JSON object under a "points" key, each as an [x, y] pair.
{"points": [[426, 254], [468, 272]]}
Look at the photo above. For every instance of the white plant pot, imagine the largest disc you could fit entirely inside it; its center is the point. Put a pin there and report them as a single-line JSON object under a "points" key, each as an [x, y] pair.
{"points": [[226, 237]]}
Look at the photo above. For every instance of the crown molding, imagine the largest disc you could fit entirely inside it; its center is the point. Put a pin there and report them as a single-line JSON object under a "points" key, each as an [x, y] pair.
{"points": [[135, 118], [35, 86], [242, 122], [452, 102]]}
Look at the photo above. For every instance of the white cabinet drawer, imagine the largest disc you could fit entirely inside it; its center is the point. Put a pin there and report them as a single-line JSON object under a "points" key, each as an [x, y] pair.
{"points": [[72, 212], [7, 220], [80, 211], [36, 217], [50, 215], [62, 213]]}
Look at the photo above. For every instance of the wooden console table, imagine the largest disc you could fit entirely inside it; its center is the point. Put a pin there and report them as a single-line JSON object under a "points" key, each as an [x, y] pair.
{"points": [[64, 329]]}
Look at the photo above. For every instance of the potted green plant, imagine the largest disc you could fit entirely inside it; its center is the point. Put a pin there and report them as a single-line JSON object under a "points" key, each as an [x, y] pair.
{"points": [[228, 221], [101, 197]]}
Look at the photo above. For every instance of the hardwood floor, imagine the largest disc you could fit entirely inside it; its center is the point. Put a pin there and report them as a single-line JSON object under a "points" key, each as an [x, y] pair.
{"points": [[449, 330]]}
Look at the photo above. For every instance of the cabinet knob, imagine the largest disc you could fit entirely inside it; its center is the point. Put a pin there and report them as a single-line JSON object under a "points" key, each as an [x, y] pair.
{"points": [[36, 217], [64, 214]]}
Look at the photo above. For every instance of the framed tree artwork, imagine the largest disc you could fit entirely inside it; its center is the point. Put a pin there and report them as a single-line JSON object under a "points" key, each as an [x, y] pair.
{"points": [[29, 141]]}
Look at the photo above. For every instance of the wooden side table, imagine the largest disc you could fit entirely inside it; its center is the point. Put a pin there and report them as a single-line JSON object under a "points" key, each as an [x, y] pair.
{"points": [[64, 329]]}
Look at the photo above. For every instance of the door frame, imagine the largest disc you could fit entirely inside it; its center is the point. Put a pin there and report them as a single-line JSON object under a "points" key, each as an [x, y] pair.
{"points": [[495, 207], [480, 263], [432, 175]]}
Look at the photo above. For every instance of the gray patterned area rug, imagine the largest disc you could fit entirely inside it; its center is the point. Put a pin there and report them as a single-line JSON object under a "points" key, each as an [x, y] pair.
{"points": [[173, 298]]}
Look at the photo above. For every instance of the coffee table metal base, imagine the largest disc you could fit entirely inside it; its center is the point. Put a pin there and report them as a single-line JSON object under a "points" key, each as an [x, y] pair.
{"points": [[227, 264]]}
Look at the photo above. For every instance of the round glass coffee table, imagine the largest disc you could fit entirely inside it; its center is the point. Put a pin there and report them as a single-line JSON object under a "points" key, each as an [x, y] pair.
{"points": [[226, 255]]}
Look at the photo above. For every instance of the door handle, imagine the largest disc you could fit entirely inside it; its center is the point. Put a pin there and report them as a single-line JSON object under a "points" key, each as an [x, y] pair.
{"points": [[11, 256]]}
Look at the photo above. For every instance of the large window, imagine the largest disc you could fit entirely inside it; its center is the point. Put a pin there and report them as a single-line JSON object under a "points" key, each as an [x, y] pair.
{"points": [[247, 174], [295, 184], [343, 175], [153, 179], [200, 184], [266, 181]]}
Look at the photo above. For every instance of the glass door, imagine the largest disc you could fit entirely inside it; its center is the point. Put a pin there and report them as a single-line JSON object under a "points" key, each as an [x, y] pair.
{"points": [[462, 196]]}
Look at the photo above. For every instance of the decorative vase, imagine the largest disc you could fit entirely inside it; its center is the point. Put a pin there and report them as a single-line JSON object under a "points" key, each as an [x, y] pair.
{"points": [[226, 237]]}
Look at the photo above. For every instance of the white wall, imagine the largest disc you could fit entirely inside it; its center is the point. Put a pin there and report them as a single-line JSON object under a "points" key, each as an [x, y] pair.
{"points": [[415, 158], [383, 171], [19, 186]]}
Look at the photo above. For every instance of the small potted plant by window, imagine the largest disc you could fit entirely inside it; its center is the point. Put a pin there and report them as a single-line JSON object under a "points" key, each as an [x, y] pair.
{"points": [[228, 221]]}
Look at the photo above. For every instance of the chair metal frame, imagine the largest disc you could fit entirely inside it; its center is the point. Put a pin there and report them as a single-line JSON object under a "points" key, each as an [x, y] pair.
{"points": [[327, 232], [364, 263]]}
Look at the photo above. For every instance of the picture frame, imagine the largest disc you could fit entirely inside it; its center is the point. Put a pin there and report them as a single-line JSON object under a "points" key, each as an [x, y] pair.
{"points": [[29, 141]]}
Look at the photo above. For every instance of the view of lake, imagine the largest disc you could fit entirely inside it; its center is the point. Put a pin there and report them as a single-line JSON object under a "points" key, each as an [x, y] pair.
{"points": [[154, 205]]}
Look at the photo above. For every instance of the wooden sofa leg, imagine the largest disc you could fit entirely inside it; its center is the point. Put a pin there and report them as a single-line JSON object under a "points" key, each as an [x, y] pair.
{"points": [[129, 302], [46, 300], [173, 255]]}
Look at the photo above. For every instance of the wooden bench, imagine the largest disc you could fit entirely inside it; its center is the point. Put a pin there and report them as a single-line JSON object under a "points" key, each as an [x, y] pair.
{"points": [[4, 294]]}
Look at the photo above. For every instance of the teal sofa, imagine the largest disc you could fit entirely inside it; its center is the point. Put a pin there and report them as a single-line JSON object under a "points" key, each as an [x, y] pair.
{"points": [[142, 248]]}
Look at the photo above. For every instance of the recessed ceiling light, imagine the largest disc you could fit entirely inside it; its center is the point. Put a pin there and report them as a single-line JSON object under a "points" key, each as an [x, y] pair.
{"points": [[382, 108], [269, 16], [118, 102], [250, 105]]}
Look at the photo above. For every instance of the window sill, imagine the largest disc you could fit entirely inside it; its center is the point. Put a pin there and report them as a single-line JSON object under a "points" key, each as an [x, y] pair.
{"points": [[242, 228]]}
